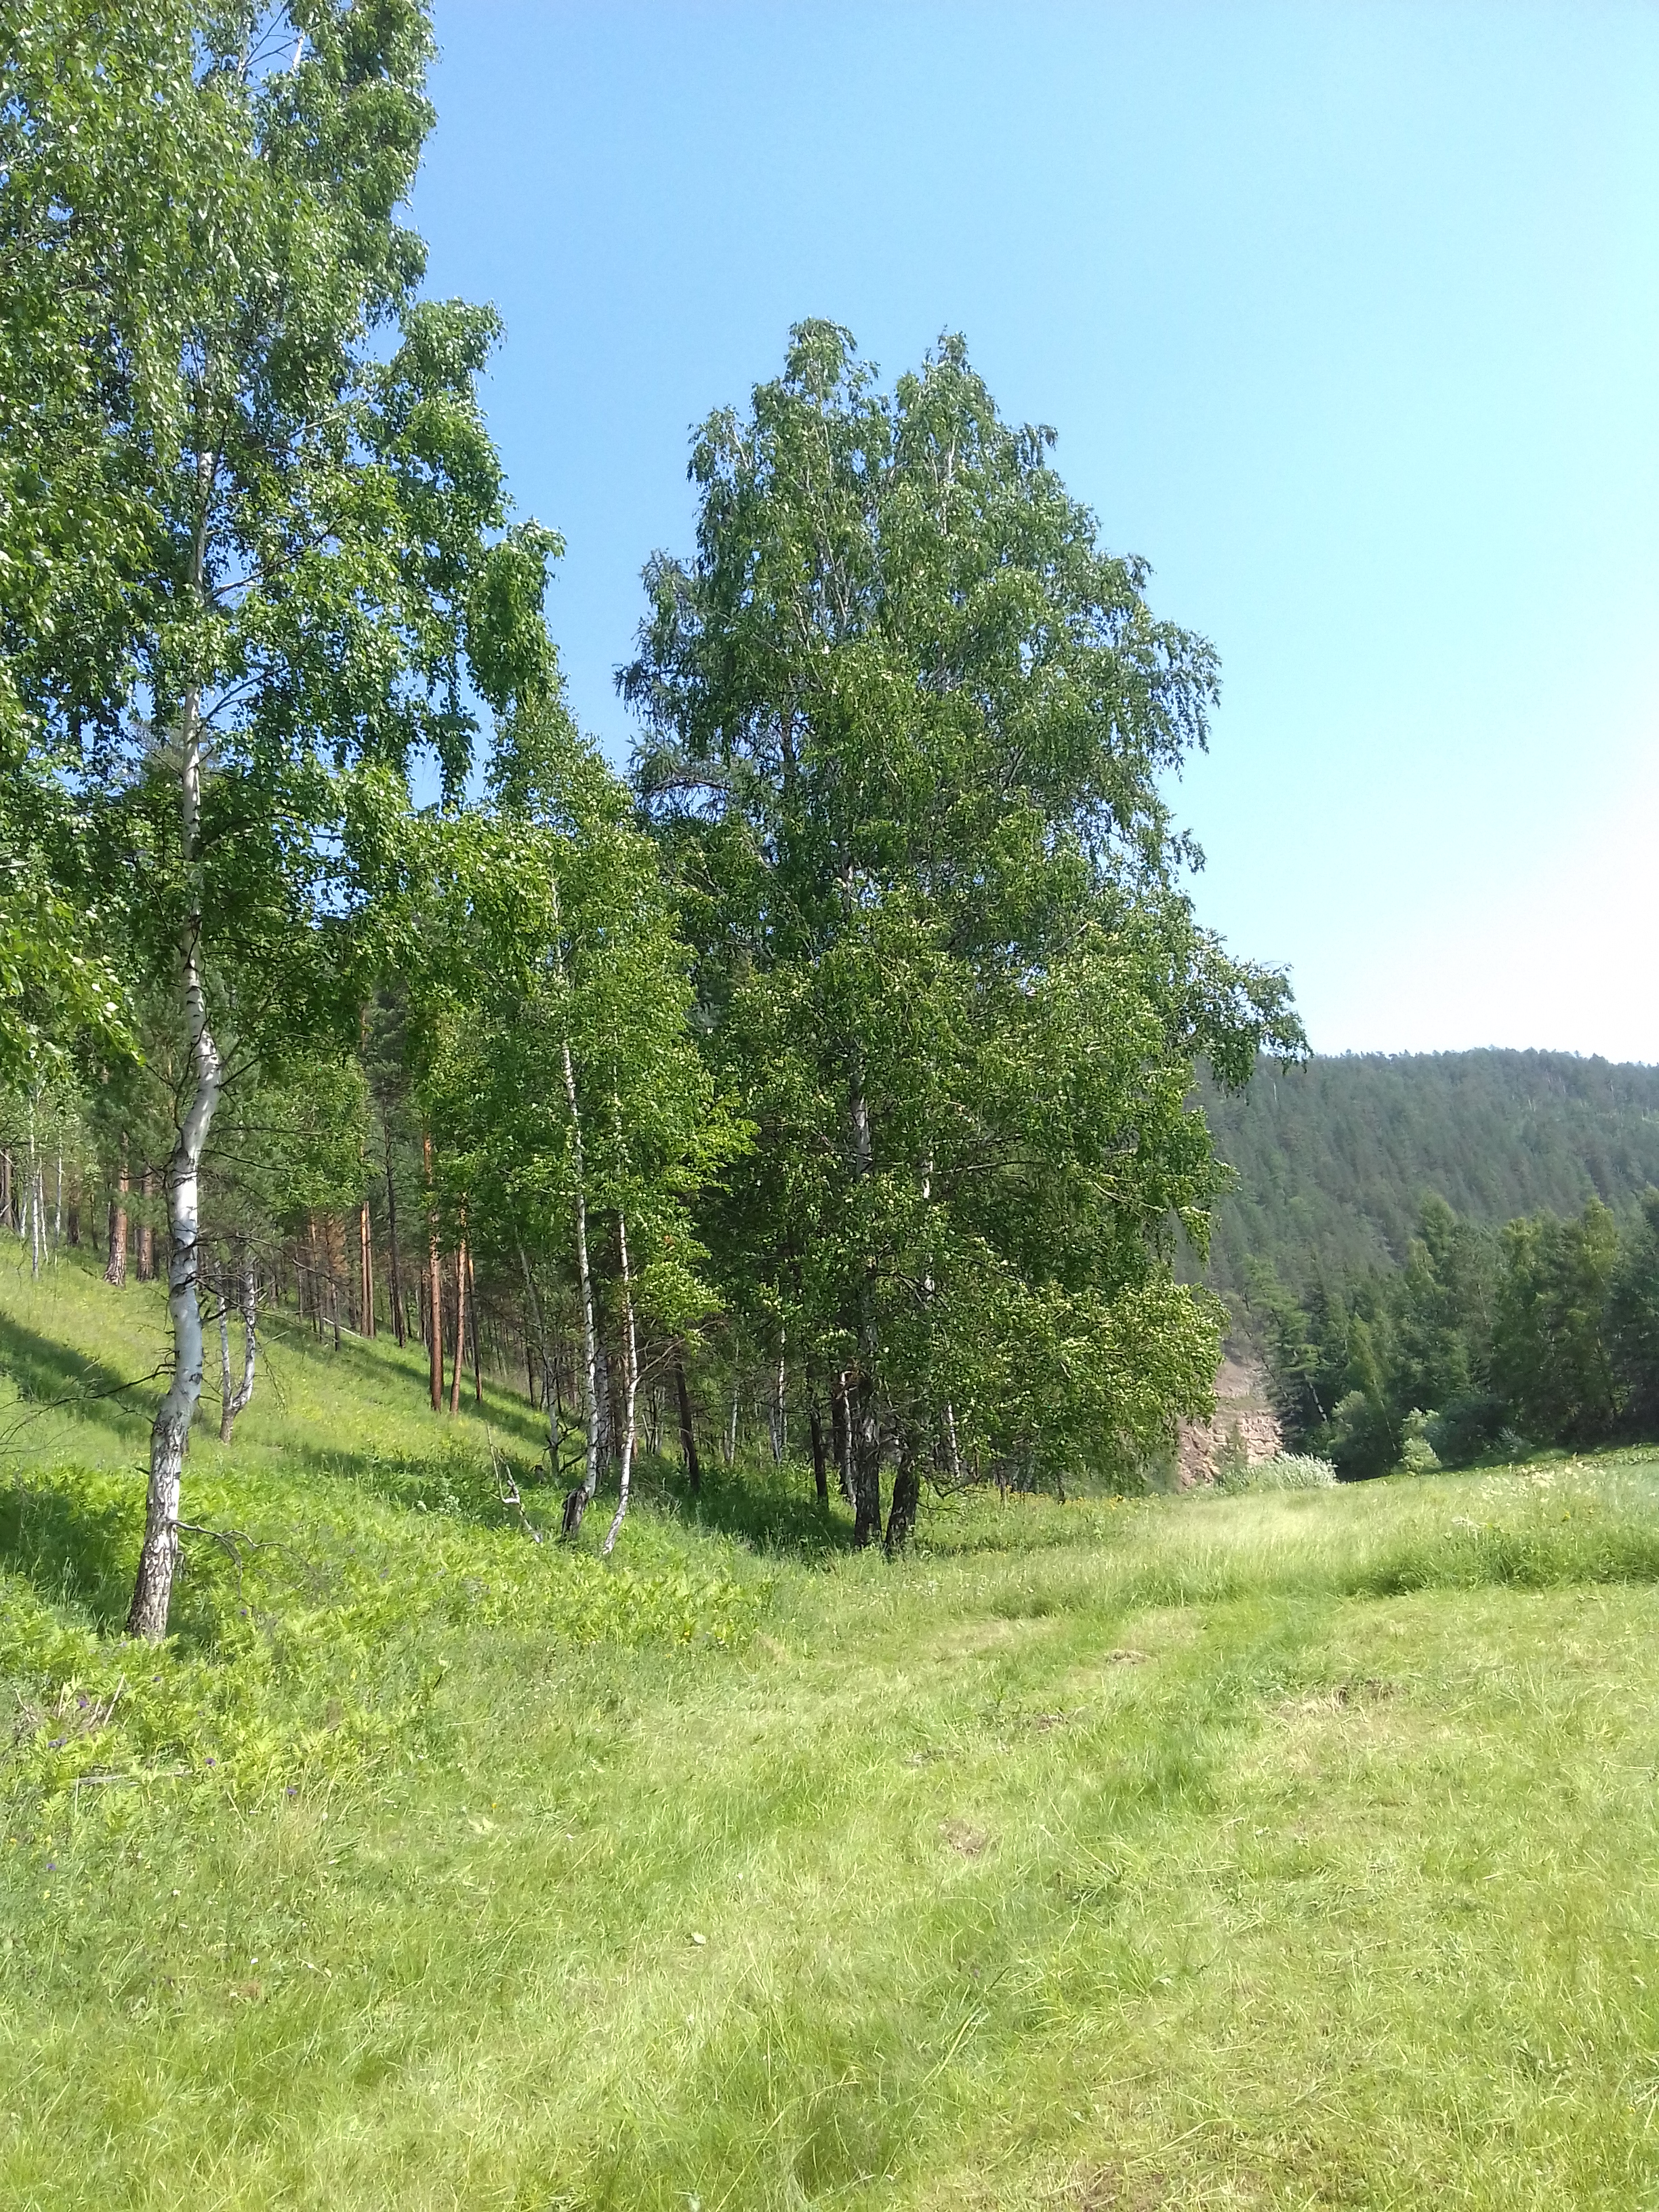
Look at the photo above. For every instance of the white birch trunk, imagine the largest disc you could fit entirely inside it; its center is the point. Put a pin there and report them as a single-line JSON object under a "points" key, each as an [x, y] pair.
{"points": [[153, 1590], [577, 1504], [34, 1208], [236, 1401], [630, 1384]]}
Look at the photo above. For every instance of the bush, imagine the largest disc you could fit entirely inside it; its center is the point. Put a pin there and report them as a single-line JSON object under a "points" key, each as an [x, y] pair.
{"points": [[1467, 1427], [1284, 1471], [1417, 1452]]}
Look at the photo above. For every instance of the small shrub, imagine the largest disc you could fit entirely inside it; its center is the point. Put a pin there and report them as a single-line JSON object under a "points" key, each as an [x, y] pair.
{"points": [[1417, 1452], [1284, 1471]]}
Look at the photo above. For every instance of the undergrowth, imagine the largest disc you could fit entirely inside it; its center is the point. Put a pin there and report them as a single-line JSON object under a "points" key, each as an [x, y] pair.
{"points": [[1282, 1850]]}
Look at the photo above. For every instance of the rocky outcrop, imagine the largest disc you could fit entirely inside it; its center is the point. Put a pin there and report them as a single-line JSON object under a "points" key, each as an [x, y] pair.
{"points": [[1243, 1418]]}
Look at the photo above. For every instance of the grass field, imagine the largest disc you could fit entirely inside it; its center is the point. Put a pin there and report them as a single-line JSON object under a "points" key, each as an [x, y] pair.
{"points": [[1285, 1850]]}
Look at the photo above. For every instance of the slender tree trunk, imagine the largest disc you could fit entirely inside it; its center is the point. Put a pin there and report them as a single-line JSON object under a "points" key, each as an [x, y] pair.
{"points": [[473, 1308], [461, 1326], [74, 1226], [841, 1435], [780, 1431], [814, 1429], [549, 1390], [906, 1495], [330, 1243], [433, 1286], [864, 1409], [146, 1269], [366, 1261], [953, 1450], [5, 1185], [615, 1388], [630, 1387], [577, 1502], [115, 1269], [158, 1559], [238, 1401], [732, 1426], [392, 1241], [866, 1459], [687, 1430], [37, 1201]]}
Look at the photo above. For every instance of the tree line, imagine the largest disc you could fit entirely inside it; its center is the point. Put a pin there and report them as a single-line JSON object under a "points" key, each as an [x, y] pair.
{"points": [[1331, 1159], [833, 1069], [1544, 1331]]}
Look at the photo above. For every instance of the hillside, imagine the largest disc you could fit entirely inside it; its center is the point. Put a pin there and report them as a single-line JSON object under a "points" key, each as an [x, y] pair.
{"points": [[1334, 1158], [1269, 1850]]}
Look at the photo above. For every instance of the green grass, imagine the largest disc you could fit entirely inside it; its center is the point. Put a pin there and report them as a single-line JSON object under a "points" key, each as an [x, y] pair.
{"points": [[1290, 1849]]}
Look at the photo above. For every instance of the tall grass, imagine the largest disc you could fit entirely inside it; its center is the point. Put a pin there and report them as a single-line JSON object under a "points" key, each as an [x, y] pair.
{"points": [[1283, 1850]]}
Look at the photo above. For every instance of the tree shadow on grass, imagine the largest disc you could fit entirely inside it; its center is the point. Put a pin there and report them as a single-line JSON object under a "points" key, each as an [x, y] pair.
{"points": [[768, 1509], [75, 1552], [362, 1367], [50, 1377]]}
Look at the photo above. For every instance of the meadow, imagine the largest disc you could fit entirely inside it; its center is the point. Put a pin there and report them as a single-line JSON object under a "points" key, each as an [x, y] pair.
{"points": [[1285, 1849]]}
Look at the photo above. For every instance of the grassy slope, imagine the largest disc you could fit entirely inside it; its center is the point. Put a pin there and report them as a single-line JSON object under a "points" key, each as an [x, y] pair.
{"points": [[1289, 1851]]}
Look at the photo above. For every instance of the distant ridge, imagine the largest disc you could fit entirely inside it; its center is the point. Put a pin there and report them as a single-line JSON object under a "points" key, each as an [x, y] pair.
{"points": [[1333, 1158]]}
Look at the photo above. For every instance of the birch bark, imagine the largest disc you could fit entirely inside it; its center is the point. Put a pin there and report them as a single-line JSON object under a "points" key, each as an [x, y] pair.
{"points": [[434, 1286], [580, 1498], [630, 1386], [158, 1559], [233, 1402]]}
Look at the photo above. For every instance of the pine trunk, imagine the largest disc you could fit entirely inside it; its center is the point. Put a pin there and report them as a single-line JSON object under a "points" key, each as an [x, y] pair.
{"points": [[434, 1336], [146, 1267], [392, 1242], [461, 1326], [366, 1262], [473, 1308]]}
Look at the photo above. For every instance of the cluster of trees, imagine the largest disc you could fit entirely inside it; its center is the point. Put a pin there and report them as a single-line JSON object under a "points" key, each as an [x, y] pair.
{"points": [[839, 1064], [1332, 1157], [1543, 1332]]}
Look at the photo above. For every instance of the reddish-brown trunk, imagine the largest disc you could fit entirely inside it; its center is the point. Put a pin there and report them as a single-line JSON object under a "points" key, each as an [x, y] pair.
{"points": [[434, 1286], [366, 1264], [461, 1327]]}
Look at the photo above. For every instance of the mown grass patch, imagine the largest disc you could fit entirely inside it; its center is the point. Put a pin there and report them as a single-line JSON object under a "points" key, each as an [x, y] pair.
{"points": [[1277, 1851]]}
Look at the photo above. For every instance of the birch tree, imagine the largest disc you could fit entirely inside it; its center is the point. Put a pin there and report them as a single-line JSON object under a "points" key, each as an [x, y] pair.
{"points": [[556, 1056], [907, 736], [312, 563]]}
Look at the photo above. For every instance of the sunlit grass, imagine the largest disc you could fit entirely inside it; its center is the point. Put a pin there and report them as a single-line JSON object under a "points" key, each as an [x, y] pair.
{"points": [[1280, 1850]]}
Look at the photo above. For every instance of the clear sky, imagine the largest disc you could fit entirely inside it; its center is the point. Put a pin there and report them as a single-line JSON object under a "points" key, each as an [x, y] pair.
{"points": [[1347, 316]]}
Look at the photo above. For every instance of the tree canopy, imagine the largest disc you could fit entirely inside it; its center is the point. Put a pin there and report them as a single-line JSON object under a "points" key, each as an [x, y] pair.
{"points": [[841, 1060]]}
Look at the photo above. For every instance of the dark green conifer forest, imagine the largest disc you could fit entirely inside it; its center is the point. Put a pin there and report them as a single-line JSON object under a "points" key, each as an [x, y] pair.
{"points": [[1446, 1255]]}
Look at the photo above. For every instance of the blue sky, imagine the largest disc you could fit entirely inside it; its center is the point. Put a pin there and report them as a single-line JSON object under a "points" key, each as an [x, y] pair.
{"points": [[1347, 317]]}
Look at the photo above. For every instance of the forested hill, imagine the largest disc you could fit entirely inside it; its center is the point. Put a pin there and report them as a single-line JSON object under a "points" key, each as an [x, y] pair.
{"points": [[1334, 1158]]}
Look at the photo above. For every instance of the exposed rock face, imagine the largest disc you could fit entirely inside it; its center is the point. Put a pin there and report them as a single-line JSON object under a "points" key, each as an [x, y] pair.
{"points": [[1243, 1410]]}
